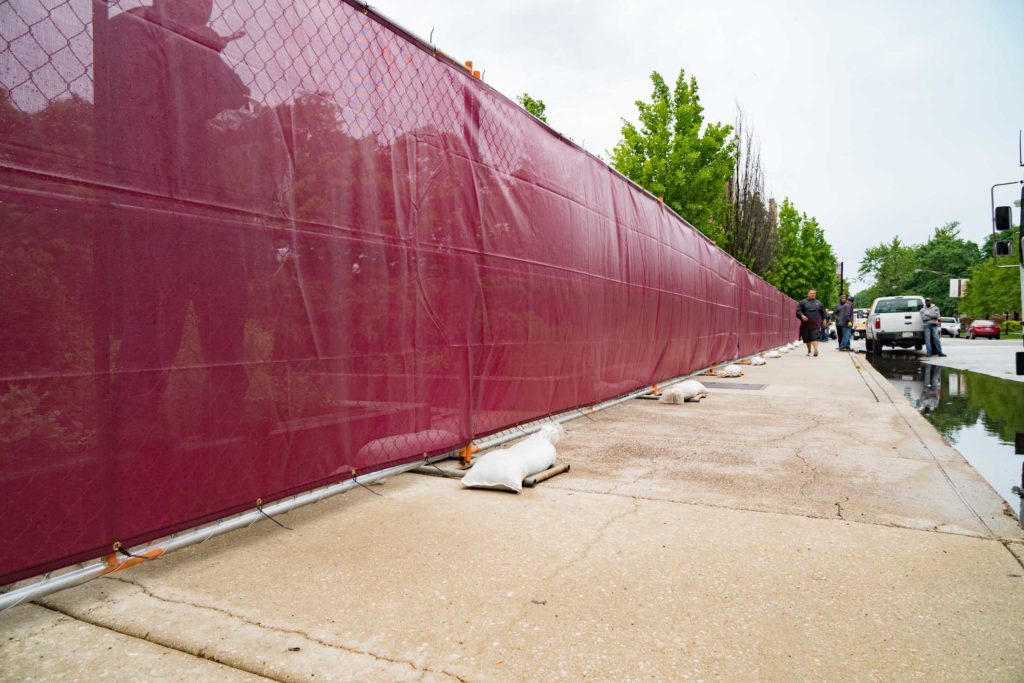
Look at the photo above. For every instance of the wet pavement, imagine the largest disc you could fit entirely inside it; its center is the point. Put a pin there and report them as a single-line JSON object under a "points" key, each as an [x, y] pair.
{"points": [[980, 415], [995, 357]]}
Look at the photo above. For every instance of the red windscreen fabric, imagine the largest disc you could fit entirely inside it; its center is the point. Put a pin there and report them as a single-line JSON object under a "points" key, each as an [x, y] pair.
{"points": [[238, 269]]}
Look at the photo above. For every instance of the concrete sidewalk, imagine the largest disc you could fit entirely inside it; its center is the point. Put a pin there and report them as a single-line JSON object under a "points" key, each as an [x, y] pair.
{"points": [[815, 529]]}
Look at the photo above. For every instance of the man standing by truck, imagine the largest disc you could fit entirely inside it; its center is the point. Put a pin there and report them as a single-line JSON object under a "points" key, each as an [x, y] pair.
{"points": [[930, 319]]}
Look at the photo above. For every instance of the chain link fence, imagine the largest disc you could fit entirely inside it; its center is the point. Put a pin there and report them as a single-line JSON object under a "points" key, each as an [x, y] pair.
{"points": [[369, 257], [382, 86]]}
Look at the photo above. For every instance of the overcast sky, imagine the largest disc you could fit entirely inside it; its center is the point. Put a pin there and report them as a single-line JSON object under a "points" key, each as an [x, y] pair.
{"points": [[879, 118]]}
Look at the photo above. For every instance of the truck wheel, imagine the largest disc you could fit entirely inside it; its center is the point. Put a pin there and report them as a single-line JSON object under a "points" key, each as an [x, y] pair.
{"points": [[918, 347], [869, 346]]}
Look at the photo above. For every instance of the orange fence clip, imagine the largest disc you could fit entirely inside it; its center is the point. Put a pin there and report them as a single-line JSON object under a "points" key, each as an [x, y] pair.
{"points": [[116, 564], [467, 452]]}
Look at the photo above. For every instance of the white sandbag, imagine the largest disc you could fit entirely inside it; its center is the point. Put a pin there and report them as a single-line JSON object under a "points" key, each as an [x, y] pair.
{"points": [[506, 468], [784, 349], [773, 354], [692, 390], [729, 371], [687, 391], [756, 360]]}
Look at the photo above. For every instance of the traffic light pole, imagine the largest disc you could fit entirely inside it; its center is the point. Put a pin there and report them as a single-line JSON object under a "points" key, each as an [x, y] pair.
{"points": [[1020, 262], [1003, 221]]}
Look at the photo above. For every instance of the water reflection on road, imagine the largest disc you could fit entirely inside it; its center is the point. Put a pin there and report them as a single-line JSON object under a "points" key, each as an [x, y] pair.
{"points": [[979, 414]]}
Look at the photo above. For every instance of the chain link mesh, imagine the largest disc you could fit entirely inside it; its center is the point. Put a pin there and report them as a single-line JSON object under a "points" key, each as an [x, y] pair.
{"points": [[384, 259]]}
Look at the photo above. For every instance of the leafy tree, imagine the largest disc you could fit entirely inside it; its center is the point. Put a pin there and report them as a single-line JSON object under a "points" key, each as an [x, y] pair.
{"points": [[890, 265], [676, 156], [988, 246], [926, 269], [993, 289], [945, 255], [804, 260], [535, 107]]}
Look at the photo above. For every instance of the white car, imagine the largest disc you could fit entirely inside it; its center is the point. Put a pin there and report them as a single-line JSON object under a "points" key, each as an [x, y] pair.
{"points": [[949, 327], [896, 321]]}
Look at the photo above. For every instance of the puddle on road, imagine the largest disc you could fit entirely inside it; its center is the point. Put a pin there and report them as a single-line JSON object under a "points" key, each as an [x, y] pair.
{"points": [[979, 414]]}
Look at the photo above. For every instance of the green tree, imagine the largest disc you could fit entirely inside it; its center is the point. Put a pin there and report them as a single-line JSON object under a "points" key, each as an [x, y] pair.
{"points": [[945, 255], [803, 260], [535, 107], [890, 265], [993, 289], [675, 155], [926, 269]]}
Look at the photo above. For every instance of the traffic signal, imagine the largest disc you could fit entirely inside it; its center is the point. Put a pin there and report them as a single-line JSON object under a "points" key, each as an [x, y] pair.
{"points": [[1004, 222], [1004, 218]]}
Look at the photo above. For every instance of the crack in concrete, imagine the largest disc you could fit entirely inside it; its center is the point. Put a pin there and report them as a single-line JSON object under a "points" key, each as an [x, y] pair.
{"points": [[812, 473], [649, 472], [839, 507], [526, 606], [201, 652]]}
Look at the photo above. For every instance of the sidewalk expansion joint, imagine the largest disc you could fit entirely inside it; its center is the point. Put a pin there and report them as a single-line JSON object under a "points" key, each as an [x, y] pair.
{"points": [[266, 627], [83, 618], [860, 372], [1019, 558], [938, 463], [783, 513]]}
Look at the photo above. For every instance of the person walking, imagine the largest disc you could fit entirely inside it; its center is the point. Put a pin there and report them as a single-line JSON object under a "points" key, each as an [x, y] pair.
{"points": [[930, 317], [844, 322], [812, 314]]}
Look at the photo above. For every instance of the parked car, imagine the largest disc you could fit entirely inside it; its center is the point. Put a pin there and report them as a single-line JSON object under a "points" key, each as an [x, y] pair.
{"points": [[860, 322], [983, 328], [896, 321], [949, 327]]}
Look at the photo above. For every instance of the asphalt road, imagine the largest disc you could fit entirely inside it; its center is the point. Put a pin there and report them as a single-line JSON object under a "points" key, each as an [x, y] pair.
{"points": [[988, 356]]}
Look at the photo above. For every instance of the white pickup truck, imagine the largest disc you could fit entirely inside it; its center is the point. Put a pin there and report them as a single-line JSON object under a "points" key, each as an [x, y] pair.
{"points": [[895, 321]]}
